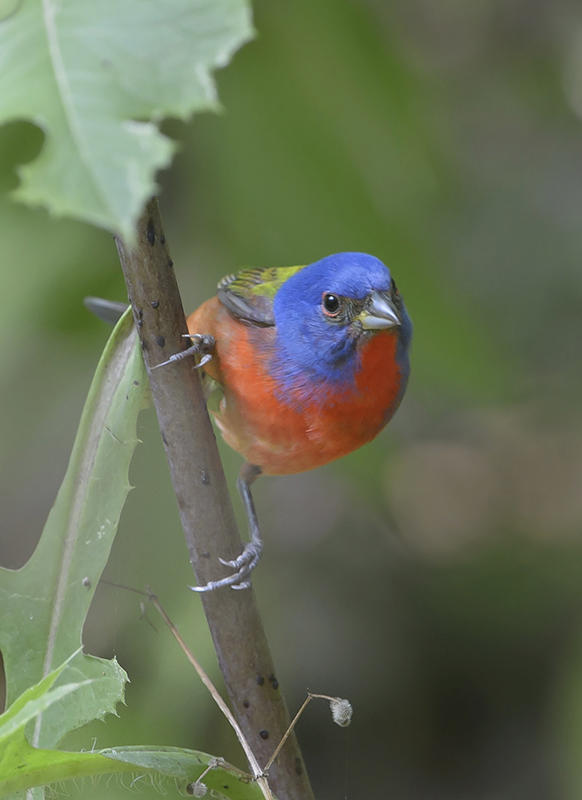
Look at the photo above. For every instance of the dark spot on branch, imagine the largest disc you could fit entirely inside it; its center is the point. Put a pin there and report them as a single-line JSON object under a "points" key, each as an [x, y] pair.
{"points": [[274, 682], [205, 477], [144, 344], [264, 734], [298, 766], [151, 233], [205, 554], [260, 680], [161, 341], [136, 383], [246, 703], [86, 582], [170, 263], [140, 323], [155, 303], [162, 240]]}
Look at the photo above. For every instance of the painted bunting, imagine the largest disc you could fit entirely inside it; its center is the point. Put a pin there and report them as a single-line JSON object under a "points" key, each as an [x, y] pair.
{"points": [[312, 362]]}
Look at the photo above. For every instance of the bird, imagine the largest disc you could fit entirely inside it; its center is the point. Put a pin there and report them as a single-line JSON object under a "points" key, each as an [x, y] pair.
{"points": [[312, 362]]}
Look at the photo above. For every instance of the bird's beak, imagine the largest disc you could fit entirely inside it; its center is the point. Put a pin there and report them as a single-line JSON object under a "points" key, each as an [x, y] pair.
{"points": [[379, 314]]}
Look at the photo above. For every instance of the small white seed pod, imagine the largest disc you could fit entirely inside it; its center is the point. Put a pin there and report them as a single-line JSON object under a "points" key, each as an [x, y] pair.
{"points": [[341, 711], [197, 789]]}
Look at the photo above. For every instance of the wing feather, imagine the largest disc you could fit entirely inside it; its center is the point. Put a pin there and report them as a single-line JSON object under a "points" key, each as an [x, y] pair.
{"points": [[250, 293]]}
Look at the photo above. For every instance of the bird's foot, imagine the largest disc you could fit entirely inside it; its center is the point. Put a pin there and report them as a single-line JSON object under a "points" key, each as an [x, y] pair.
{"points": [[202, 345], [244, 565]]}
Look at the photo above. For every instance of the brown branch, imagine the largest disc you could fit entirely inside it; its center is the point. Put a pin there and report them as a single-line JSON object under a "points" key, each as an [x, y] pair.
{"points": [[205, 507]]}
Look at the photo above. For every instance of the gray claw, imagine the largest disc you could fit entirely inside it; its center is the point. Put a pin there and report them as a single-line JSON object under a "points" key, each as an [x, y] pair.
{"points": [[235, 581], [175, 357], [204, 360], [249, 557], [209, 587], [244, 565], [232, 564], [251, 554], [202, 344]]}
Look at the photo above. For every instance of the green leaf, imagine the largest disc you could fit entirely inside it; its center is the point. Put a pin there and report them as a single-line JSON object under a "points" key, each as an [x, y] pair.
{"points": [[33, 708], [45, 603], [187, 766], [33, 702], [91, 75], [8, 7], [23, 767], [19, 762]]}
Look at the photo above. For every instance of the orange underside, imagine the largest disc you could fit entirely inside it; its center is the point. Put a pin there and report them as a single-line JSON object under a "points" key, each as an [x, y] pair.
{"points": [[266, 431]]}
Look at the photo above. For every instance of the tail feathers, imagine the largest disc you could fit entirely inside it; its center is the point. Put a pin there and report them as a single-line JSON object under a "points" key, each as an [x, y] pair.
{"points": [[107, 310]]}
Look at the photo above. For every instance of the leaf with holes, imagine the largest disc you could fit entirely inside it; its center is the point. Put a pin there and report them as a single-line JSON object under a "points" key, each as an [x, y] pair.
{"points": [[98, 77], [45, 603]]}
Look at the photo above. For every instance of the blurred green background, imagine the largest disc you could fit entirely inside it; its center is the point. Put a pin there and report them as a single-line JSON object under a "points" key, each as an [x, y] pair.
{"points": [[434, 578]]}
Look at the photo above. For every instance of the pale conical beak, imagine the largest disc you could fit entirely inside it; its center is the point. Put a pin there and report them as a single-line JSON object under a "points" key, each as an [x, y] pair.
{"points": [[379, 314]]}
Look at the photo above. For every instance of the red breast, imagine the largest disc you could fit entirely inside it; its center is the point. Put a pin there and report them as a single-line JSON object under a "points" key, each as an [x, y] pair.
{"points": [[271, 433]]}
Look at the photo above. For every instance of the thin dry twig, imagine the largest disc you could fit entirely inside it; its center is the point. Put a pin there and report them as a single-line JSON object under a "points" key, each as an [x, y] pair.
{"points": [[257, 772]]}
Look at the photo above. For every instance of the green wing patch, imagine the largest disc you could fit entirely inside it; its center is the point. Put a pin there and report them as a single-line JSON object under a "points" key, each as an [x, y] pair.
{"points": [[250, 293]]}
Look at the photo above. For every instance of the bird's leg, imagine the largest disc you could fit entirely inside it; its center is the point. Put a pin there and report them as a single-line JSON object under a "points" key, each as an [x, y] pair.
{"points": [[202, 345], [249, 558]]}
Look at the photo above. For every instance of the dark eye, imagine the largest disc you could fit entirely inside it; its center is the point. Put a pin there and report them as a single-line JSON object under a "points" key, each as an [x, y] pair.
{"points": [[331, 304]]}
